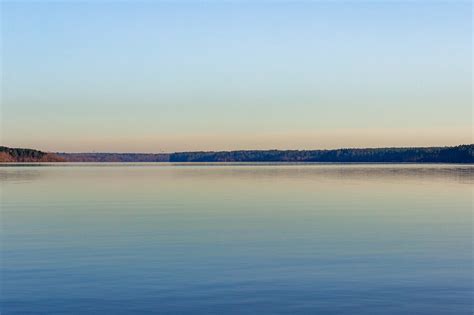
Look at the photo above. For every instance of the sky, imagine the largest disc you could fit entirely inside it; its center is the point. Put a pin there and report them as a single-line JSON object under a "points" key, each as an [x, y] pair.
{"points": [[164, 76]]}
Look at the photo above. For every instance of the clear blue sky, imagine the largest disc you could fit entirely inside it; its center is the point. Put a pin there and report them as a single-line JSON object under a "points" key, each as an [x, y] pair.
{"points": [[209, 75]]}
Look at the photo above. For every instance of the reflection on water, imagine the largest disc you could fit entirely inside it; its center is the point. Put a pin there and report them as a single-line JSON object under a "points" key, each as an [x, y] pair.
{"points": [[236, 238]]}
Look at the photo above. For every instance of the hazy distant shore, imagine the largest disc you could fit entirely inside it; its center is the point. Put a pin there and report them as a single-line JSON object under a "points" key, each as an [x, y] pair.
{"points": [[455, 154]]}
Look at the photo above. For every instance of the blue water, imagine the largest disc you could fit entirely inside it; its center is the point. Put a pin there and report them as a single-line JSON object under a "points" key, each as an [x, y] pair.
{"points": [[236, 239]]}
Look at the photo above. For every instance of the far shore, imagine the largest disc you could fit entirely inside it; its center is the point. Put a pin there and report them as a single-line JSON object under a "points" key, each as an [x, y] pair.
{"points": [[454, 154]]}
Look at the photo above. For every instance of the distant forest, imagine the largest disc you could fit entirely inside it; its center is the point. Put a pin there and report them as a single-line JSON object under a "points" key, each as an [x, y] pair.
{"points": [[457, 154], [27, 155], [114, 157]]}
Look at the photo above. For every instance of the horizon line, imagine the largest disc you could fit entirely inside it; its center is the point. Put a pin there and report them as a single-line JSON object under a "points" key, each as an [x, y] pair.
{"points": [[248, 150]]}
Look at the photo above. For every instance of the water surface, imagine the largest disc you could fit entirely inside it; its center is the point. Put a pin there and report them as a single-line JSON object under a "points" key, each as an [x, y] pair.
{"points": [[236, 239]]}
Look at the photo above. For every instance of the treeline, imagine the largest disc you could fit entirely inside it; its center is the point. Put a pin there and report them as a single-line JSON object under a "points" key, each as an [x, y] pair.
{"points": [[458, 154], [27, 155], [114, 157]]}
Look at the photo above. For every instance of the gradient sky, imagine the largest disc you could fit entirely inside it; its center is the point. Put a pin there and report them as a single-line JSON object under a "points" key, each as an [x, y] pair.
{"points": [[208, 75]]}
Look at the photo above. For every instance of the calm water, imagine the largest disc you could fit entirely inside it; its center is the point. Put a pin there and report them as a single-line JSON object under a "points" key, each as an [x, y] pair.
{"points": [[236, 239]]}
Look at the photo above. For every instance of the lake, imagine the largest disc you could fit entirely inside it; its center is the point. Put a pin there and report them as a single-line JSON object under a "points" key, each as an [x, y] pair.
{"points": [[236, 239]]}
